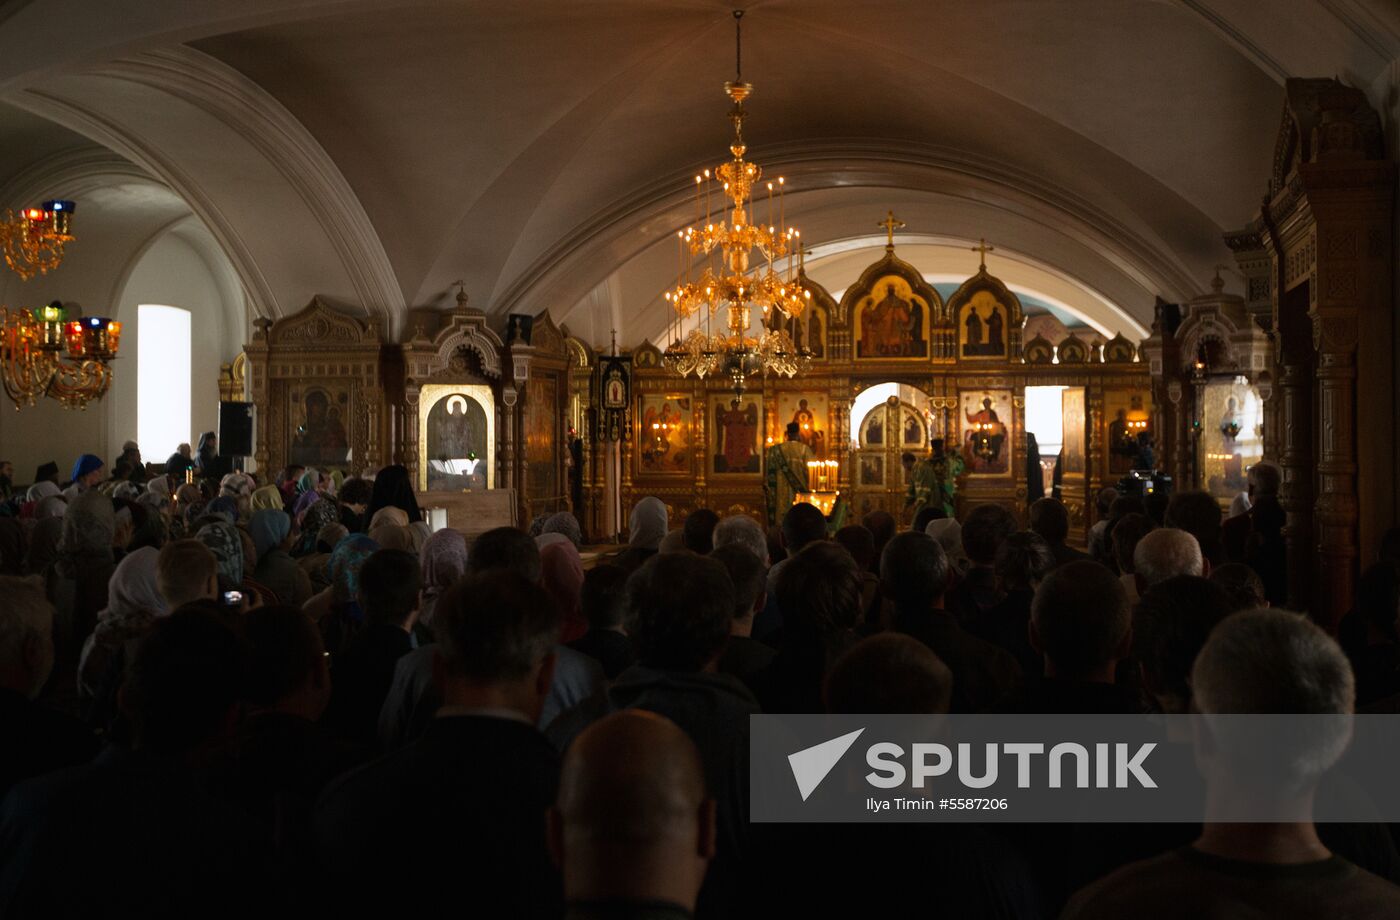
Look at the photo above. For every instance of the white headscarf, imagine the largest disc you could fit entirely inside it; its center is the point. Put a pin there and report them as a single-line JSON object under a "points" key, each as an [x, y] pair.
{"points": [[133, 586], [948, 533], [52, 507], [648, 524], [127, 490], [41, 490]]}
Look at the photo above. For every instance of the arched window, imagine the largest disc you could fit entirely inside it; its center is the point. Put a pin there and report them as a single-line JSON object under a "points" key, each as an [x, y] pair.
{"points": [[162, 379]]}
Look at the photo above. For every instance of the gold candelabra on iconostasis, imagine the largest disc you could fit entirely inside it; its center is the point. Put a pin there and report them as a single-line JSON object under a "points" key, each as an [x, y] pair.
{"points": [[822, 479]]}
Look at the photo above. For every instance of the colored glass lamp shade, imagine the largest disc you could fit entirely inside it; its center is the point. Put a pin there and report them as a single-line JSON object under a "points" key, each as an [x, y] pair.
{"points": [[58, 213]]}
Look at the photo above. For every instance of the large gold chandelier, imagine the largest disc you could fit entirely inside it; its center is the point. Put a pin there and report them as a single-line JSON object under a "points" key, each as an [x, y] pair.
{"points": [[44, 355], [33, 240], [717, 275]]}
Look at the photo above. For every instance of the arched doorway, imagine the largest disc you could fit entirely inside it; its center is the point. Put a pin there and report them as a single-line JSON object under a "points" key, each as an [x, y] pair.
{"points": [[889, 431]]}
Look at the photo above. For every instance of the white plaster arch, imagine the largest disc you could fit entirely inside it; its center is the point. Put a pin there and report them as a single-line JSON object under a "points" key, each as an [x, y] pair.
{"points": [[184, 117]]}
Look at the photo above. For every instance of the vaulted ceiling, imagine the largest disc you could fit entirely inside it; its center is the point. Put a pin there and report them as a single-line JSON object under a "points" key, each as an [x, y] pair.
{"points": [[377, 151]]}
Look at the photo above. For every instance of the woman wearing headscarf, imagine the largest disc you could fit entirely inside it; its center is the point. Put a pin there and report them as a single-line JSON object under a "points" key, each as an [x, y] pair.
{"points": [[420, 532], [312, 520], [157, 504], [444, 560], [134, 602], [337, 609], [147, 526], [127, 490], [189, 506], [225, 505], [237, 485], [227, 546], [646, 529], [389, 517], [35, 495], [566, 524], [314, 563], [392, 489], [948, 533], [251, 587], [271, 530], [77, 580], [392, 536], [310, 481], [268, 498], [305, 500], [561, 574], [42, 490]]}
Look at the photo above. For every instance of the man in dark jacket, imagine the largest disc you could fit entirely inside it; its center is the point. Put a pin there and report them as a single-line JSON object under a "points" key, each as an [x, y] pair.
{"points": [[467, 800]]}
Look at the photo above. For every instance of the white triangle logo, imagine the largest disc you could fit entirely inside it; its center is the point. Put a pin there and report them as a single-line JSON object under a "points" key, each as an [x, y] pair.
{"points": [[811, 765]]}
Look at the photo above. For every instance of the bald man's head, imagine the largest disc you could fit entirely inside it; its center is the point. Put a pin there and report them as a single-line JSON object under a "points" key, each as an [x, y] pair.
{"points": [[632, 776], [633, 820]]}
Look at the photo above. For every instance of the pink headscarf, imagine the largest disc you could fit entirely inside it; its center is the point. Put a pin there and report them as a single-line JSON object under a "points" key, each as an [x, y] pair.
{"points": [[444, 557], [562, 576]]}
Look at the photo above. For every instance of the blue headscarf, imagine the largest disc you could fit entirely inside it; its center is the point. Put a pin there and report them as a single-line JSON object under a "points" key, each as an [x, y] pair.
{"points": [[269, 528], [86, 464], [344, 570], [227, 506]]}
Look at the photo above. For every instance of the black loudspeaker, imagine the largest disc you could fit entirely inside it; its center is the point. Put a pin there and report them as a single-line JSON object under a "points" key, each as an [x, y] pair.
{"points": [[236, 429]]}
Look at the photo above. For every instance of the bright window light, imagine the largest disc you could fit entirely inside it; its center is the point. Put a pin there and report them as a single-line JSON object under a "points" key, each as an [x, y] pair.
{"points": [[162, 380], [865, 401], [1045, 419]]}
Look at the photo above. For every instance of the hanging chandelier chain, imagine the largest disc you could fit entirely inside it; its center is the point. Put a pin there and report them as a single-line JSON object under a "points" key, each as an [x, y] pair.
{"points": [[738, 46]]}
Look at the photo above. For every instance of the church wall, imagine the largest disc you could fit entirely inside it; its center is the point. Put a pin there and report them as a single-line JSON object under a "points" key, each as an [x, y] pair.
{"points": [[172, 273]]}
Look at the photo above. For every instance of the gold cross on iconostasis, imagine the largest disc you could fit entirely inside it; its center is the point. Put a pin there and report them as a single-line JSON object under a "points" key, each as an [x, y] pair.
{"points": [[983, 249], [891, 224]]}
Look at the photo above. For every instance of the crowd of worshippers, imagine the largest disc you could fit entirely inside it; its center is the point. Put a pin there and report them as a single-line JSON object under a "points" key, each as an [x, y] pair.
{"points": [[218, 696]]}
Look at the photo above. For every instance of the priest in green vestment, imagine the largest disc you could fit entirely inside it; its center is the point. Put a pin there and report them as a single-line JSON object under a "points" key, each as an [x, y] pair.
{"points": [[933, 482], [787, 473]]}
